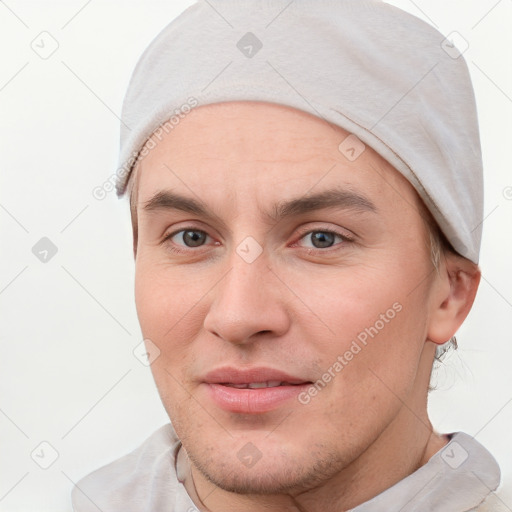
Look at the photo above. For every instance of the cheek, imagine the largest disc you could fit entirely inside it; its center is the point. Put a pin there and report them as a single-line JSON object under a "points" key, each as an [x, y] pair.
{"points": [[170, 305], [170, 314], [351, 303], [377, 332]]}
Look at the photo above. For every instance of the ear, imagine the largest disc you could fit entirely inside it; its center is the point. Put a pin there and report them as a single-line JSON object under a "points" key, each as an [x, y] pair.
{"points": [[453, 296]]}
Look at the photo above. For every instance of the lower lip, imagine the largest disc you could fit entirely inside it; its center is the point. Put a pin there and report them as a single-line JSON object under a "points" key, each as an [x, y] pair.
{"points": [[253, 401]]}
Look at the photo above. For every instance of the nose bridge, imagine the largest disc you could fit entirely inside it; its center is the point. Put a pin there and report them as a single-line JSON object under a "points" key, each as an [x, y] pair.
{"points": [[245, 302], [242, 281]]}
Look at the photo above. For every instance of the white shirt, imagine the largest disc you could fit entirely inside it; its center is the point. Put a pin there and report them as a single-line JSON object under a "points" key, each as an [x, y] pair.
{"points": [[459, 478]]}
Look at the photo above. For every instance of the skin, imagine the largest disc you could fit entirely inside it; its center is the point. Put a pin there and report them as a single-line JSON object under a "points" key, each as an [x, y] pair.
{"points": [[297, 307]]}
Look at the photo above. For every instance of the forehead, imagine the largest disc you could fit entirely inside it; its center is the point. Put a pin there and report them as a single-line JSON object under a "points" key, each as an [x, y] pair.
{"points": [[264, 152]]}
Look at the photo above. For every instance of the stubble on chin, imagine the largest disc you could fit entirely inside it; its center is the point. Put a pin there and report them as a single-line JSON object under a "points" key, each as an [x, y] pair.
{"points": [[271, 475]]}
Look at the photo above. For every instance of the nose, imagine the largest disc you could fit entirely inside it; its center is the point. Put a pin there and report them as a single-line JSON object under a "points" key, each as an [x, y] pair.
{"points": [[248, 303]]}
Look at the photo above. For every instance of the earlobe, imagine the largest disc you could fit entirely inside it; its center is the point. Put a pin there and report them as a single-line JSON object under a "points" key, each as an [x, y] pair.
{"points": [[453, 298]]}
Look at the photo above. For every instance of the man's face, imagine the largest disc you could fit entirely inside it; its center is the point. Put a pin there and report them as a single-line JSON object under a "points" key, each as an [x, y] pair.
{"points": [[243, 279]]}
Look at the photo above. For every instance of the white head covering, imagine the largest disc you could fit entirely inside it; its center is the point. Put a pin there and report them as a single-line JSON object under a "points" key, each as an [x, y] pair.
{"points": [[368, 67]]}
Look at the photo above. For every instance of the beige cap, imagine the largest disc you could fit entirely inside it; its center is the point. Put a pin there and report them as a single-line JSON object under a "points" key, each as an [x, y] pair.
{"points": [[387, 77]]}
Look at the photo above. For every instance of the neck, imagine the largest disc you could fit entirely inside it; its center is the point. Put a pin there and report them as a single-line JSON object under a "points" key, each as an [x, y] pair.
{"points": [[405, 445]]}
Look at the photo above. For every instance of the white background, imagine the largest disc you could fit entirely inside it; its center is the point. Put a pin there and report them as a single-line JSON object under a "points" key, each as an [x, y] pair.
{"points": [[69, 326]]}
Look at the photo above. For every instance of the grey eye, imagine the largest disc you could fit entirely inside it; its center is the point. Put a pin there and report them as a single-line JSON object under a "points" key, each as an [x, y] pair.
{"points": [[192, 238], [322, 239]]}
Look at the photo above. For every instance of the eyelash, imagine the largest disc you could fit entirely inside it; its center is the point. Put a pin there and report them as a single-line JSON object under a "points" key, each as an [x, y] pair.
{"points": [[345, 238], [182, 249]]}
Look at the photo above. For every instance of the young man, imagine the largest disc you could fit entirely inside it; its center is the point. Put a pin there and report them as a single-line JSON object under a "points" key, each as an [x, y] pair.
{"points": [[305, 184]]}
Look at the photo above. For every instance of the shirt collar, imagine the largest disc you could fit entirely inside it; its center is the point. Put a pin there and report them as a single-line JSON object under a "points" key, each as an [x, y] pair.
{"points": [[458, 477]]}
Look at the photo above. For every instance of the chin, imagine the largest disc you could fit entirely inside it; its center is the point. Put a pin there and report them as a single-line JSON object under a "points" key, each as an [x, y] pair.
{"points": [[276, 471]]}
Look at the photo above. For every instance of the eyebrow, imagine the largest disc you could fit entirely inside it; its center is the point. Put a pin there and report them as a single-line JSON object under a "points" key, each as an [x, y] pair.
{"points": [[333, 198], [166, 200]]}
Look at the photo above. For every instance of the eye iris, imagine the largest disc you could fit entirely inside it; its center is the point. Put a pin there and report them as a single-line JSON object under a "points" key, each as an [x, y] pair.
{"points": [[321, 239], [194, 238]]}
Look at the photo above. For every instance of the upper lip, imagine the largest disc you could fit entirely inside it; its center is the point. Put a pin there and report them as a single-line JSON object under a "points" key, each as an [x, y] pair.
{"points": [[230, 375]]}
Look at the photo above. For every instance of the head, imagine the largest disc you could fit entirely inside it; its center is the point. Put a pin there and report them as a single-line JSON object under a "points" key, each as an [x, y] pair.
{"points": [[263, 253]]}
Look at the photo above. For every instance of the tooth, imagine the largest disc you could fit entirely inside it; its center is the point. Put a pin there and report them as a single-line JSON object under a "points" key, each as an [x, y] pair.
{"points": [[273, 383], [257, 385], [238, 386]]}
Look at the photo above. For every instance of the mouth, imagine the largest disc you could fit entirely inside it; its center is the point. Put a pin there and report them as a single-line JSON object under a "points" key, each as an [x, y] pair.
{"points": [[259, 385], [252, 391]]}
